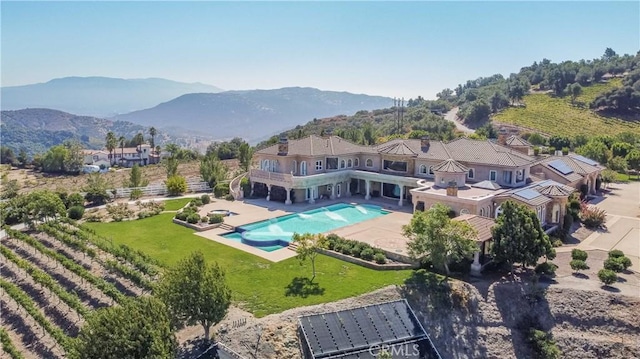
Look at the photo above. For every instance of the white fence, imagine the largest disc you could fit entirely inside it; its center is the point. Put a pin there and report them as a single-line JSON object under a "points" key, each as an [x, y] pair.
{"points": [[161, 189]]}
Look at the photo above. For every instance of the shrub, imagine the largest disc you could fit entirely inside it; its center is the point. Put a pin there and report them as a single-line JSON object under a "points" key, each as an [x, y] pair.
{"points": [[616, 253], [356, 249], [624, 261], [607, 276], [76, 212], [205, 199], [204, 219], [221, 190], [246, 187], [74, 199], [579, 254], [176, 185], [216, 218], [565, 151], [591, 216], [546, 268], [578, 265], [193, 218], [542, 344], [614, 264], [367, 254], [135, 193], [119, 211], [196, 202], [229, 197], [557, 242], [380, 258], [144, 214], [536, 151], [567, 223]]}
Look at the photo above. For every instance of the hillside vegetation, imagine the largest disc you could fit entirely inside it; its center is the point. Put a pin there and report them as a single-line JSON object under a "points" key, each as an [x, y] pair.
{"points": [[554, 115]]}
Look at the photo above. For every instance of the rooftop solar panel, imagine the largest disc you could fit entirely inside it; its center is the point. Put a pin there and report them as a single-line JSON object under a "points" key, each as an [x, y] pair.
{"points": [[561, 167], [528, 193], [585, 160]]}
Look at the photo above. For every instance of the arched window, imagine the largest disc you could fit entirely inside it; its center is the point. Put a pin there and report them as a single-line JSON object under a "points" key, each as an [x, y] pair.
{"points": [[431, 170], [423, 169], [464, 211], [303, 168], [265, 165], [349, 163], [343, 164], [519, 175], [369, 162], [294, 167], [482, 212], [356, 162], [471, 173]]}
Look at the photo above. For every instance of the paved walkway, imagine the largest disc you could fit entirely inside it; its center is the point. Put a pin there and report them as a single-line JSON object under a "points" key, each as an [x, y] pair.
{"points": [[452, 116]]}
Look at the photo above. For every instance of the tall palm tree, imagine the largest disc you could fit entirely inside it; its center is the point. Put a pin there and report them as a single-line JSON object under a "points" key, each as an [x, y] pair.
{"points": [[112, 142], [122, 141], [153, 132]]}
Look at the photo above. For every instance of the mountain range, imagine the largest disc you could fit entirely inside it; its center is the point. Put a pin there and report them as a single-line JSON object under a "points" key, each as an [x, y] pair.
{"points": [[97, 96], [253, 114]]}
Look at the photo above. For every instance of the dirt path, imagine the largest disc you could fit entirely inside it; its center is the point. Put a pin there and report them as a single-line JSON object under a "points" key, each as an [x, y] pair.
{"points": [[452, 116]]}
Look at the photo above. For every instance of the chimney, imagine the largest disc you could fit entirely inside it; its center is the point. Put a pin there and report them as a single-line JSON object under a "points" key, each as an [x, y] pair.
{"points": [[424, 143], [502, 136], [452, 189], [283, 146]]}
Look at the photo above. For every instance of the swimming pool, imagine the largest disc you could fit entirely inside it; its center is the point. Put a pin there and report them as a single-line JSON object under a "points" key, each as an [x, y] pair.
{"points": [[276, 233]]}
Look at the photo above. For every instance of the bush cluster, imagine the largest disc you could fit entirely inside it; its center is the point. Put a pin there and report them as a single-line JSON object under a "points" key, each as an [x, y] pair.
{"points": [[135, 194], [546, 268], [216, 218], [221, 190], [76, 212], [542, 344], [355, 249], [190, 215], [205, 199], [591, 216], [119, 212]]}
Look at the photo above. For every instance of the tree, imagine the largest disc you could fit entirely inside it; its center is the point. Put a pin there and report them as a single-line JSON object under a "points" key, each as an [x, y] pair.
{"points": [[153, 132], [171, 166], [7, 156], [498, 101], [112, 143], [596, 150], [559, 142], [22, 157], [579, 254], [433, 236], [517, 87], [608, 176], [73, 158], [618, 164], [536, 139], [607, 276], [96, 189], [578, 265], [621, 149], [476, 111], [609, 54], [244, 156], [138, 140], [10, 188], [53, 160], [574, 90], [212, 170], [176, 185], [122, 141], [139, 328], [44, 205], [633, 159], [308, 247], [172, 148], [518, 236], [195, 292], [135, 177]]}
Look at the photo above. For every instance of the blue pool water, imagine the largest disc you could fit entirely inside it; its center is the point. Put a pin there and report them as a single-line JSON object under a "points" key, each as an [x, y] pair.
{"points": [[276, 233]]}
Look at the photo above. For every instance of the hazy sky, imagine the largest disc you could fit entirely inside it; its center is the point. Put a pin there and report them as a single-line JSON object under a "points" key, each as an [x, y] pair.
{"points": [[380, 48]]}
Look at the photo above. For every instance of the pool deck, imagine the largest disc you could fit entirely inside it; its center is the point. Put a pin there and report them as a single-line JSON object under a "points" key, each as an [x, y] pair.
{"points": [[384, 232]]}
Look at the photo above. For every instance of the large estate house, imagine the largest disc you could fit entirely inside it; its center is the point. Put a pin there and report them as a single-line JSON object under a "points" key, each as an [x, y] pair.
{"points": [[470, 176], [126, 157]]}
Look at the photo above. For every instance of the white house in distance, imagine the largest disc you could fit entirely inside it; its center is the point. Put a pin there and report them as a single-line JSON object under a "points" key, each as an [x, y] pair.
{"points": [[126, 157]]}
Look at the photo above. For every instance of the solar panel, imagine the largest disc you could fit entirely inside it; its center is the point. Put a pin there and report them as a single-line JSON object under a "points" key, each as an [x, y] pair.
{"points": [[528, 193], [585, 160], [561, 167]]}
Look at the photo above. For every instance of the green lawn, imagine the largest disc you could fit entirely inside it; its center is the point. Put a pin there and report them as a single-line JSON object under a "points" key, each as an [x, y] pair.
{"points": [[260, 286], [176, 204], [557, 116]]}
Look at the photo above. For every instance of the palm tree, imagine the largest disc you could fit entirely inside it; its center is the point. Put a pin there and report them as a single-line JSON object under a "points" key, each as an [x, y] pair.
{"points": [[153, 132], [138, 140], [122, 141], [112, 142]]}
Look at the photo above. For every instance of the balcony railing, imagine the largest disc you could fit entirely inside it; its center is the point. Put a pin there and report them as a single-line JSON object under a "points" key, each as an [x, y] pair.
{"points": [[283, 178]]}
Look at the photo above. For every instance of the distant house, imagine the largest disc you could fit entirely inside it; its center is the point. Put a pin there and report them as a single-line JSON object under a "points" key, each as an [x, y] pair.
{"points": [[128, 156]]}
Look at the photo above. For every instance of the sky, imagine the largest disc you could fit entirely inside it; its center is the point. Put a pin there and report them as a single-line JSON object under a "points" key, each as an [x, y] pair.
{"points": [[395, 49]]}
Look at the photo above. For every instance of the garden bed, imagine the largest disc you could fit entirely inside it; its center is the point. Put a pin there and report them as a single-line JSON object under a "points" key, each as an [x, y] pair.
{"points": [[389, 265], [200, 226]]}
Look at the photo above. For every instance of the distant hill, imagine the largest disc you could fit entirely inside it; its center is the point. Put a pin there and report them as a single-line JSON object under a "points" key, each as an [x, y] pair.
{"points": [[97, 96], [36, 130], [253, 114]]}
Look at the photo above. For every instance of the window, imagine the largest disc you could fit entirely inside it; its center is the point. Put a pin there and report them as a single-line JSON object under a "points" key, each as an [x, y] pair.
{"points": [[423, 169], [369, 162], [303, 168], [464, 211], [431, 170], [294, 167], [319, 165], [506, 176], [343, 164], [332, 163], [493, 175], [265, 165], [349, 163], [519, 175], [482, 212], [356, 162], [395, 166], [471, 173]]}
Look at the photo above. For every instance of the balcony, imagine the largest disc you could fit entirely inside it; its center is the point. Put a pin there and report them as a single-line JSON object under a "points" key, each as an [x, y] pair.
{"points": [[273, 178]]}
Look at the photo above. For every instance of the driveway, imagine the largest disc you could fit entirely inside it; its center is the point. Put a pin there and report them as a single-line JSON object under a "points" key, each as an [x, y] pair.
{"points": [[622, 199], [453, 117]]}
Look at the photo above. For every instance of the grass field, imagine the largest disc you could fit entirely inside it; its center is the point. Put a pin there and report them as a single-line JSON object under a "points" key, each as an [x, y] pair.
{"points": [[557, 116], [259, 286], [176, 204]]}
